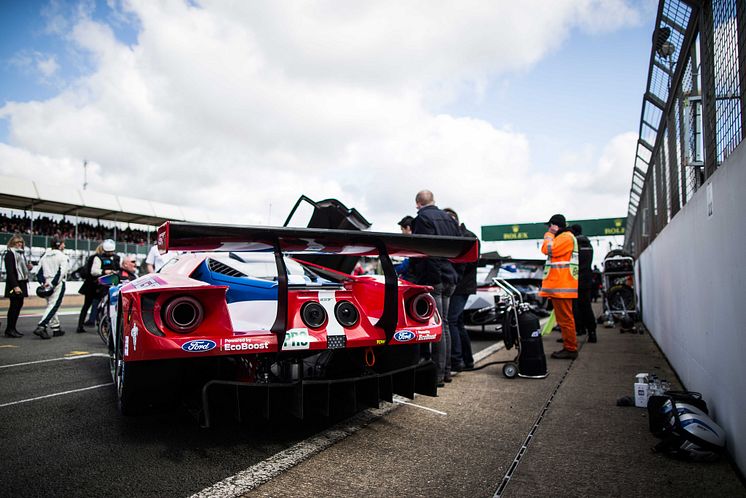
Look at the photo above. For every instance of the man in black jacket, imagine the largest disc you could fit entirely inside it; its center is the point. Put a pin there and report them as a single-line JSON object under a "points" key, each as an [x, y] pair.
{"points": [[461, 355], [436, 272], [585, 320]]}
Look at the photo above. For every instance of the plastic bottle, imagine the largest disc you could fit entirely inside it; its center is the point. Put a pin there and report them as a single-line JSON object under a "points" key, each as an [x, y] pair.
{"points": [[642, 390]]}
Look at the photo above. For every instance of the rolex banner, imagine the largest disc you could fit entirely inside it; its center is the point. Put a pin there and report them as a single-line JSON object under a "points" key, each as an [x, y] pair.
{"points": [[527, 231]]}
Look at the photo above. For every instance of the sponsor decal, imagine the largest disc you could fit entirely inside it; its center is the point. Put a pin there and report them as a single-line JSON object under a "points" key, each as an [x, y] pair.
{"points": [[404, 335], [145, 283], [126, 346], [134, 333], [426, 337], [380, 341], [198, 346], [245, 344], [296, 339]]}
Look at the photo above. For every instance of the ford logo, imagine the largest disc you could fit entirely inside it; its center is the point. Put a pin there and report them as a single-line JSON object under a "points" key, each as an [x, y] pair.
{"points": [[404, 335], [198, 346]]}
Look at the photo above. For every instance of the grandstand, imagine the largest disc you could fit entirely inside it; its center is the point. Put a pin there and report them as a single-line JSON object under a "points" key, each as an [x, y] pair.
{"points": [[83, 218]]}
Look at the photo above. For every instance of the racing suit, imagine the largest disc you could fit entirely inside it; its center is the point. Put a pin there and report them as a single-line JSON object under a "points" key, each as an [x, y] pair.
{"points": [[54, 265]]}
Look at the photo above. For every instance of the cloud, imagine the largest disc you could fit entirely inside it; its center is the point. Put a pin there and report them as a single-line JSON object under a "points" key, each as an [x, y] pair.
{"points": [[233, 107]]}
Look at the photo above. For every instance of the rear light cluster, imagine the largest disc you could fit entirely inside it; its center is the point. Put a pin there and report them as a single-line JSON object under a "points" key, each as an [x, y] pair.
{"points": [[314, 315], [183, 314], [420, 308]]}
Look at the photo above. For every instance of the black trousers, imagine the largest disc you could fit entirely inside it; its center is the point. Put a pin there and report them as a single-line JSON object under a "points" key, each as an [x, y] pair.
{"points": [[582, 311], [86, 306], [14, 310]]}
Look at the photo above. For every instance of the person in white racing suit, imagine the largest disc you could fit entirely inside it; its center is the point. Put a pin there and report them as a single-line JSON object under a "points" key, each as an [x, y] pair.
{"points": [[53, 266]]}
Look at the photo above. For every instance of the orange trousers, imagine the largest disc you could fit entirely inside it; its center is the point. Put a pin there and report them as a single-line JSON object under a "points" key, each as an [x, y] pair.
{"points": [[566, 321]]}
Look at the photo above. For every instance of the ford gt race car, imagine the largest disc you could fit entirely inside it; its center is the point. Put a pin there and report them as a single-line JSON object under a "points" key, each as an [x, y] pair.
{"points": [[236, 322]]}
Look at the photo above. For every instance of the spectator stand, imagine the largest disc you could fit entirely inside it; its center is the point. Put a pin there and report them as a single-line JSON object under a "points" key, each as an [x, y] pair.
{"points": [[82, 218]]}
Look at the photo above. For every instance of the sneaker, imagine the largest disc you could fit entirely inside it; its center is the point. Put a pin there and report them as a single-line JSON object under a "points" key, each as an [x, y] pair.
{"points": [[80, 330], [58, 333], [447, 378], [564, 354], [42, 332], [469, 366], [592, 336], [457, 367], [441, 384], [13, 333]]}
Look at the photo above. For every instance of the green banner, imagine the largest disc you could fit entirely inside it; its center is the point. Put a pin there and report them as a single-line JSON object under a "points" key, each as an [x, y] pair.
{"points": [[529, 231]]}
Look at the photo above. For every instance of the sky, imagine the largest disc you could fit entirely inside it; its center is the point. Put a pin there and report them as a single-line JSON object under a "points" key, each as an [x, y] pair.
{"points": [[507, 111]]}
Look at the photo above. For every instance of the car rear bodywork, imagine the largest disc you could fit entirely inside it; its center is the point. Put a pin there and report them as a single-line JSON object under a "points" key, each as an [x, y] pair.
{"points": [[237, 322]]}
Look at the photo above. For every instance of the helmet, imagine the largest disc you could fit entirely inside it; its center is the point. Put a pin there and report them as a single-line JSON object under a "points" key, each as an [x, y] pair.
{"points": [[42, 291], [109, 245], [691, 434]]}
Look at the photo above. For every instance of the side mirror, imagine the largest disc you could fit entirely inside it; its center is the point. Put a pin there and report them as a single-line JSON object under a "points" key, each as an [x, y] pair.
{"points": [[109, 280]]}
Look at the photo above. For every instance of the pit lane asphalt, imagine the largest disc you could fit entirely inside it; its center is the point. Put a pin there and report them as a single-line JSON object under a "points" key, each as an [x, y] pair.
{"points": [[61, 433]]}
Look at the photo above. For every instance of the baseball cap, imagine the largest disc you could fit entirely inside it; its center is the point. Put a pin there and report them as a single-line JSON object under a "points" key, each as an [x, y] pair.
{"points": [[557, 219], [109, 245]]}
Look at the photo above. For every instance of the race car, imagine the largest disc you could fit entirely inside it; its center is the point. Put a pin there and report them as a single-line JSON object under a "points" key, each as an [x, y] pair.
{"points": [[235, 321]]}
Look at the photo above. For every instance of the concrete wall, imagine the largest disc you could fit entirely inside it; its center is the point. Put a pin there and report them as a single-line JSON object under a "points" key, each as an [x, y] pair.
{"points": [[693, 289]]}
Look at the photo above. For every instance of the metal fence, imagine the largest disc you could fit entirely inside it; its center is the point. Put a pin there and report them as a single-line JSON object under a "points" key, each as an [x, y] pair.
{"points": [[692, 113]]}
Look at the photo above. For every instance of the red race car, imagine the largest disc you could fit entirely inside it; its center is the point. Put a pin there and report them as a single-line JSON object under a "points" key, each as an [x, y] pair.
{"points": [[234, 320]]}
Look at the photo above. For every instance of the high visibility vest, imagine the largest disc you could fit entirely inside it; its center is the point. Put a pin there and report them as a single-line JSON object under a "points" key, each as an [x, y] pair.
{"points": [[561, 269]]}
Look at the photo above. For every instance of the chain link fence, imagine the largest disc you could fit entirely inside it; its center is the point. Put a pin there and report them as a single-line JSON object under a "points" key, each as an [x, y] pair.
{"points": [[693, 110]]}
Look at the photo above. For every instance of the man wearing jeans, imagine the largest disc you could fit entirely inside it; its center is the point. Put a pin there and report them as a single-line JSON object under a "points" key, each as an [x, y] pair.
{"points": [[436, 272], [461, 355]]}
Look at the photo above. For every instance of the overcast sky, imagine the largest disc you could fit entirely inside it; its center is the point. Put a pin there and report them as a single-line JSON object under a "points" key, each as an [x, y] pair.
{"points": [[508, 111]]}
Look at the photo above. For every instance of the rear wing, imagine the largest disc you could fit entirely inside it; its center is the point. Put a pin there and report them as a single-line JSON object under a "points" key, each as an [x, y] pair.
{"points": [[181, 236]]}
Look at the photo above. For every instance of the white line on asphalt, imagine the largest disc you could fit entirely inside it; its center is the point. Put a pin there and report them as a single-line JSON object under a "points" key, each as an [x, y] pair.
{"points": [[54, 395], [268, 469], [275, 465], [403, 402], [77, 357]]}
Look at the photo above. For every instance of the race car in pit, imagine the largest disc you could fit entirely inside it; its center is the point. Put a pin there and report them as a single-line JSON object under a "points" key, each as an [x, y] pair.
{"points": [[488, 304], [237, 321]]}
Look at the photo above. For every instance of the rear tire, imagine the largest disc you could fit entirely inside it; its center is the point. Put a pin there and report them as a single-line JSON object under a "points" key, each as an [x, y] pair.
{"points": [[126, 379]]}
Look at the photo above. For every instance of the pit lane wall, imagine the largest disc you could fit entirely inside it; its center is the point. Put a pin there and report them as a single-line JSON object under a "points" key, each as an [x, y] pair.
{"points": [[691, 281]]}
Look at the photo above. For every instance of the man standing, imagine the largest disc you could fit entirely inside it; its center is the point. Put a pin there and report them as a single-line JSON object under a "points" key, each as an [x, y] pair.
{"points": [[585, 320], [155, 260], [436, 272], [461, 355], [54, 266], [560, 282]]}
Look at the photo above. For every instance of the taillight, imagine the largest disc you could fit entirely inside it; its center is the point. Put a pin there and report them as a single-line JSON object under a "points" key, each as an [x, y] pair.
{"points": [[313, 314], [421, 307], [346, 313], [183, 314]]}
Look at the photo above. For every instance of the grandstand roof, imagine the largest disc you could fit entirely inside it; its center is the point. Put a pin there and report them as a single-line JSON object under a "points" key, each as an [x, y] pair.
{"points": [[19, 193]]}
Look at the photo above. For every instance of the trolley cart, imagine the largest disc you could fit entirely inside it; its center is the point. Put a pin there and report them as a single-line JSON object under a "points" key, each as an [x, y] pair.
{"points": [[620, 299], [521, 329]]}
